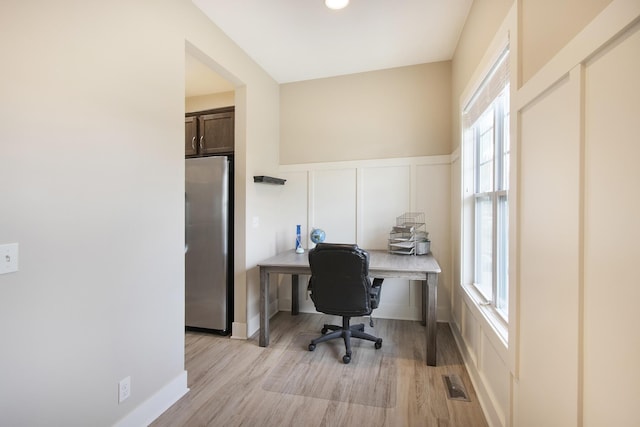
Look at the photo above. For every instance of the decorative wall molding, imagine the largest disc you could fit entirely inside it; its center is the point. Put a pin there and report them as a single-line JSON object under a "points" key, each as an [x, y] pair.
{"points": [[355, 164]]}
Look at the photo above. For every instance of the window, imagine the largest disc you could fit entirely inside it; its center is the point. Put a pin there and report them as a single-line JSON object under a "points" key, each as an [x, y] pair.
{"points": [[486, 188]]}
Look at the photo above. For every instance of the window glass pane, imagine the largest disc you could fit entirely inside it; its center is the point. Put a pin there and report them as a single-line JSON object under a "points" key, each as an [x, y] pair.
{"points": [[485, 153], [484, 246], [502, 297], [506, 142]]}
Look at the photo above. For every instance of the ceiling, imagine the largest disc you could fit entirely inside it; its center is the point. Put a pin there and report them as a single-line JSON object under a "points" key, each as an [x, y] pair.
{"points": [[294, 40]]}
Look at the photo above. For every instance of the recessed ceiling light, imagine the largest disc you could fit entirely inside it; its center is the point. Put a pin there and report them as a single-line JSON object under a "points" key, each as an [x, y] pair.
{"points": [[336, 4]]}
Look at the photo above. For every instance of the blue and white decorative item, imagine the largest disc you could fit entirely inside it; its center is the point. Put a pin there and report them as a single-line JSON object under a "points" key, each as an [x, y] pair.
{"points": [[317, 235], [299, 249]]}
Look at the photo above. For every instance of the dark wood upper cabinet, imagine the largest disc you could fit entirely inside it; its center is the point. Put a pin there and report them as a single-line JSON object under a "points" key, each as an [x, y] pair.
{"points": [[210, 132], [216, 133], [191, 136]]}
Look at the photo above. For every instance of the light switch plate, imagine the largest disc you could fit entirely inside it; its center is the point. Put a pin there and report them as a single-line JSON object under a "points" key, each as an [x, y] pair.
{"points": [[8, 258]]}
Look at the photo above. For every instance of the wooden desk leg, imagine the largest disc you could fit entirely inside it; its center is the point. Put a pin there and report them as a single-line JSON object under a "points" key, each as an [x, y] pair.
{"points": [[432, 325], [264, 308], [424, 302], [295, 297]]}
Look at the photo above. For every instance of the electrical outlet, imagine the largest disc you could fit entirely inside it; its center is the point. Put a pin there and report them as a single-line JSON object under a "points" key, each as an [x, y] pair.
{"points": [[8, 258], [124, 389]]}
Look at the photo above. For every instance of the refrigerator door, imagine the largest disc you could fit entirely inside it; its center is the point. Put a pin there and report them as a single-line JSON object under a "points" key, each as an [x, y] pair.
{"points": [[206, 217]]}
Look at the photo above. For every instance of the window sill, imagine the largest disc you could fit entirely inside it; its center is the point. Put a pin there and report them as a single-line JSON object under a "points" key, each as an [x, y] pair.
{"points": [[492, 319]]}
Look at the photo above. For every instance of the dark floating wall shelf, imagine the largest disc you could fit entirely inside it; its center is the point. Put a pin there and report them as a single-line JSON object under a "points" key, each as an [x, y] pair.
{"points": [[269, 180]]}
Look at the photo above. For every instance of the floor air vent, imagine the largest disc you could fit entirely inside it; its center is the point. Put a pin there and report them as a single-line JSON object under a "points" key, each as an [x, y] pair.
{"points": [[455, 388]]}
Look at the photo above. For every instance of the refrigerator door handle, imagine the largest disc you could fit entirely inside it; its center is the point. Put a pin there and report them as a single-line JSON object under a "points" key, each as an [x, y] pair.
{"points": [[186, 220]]}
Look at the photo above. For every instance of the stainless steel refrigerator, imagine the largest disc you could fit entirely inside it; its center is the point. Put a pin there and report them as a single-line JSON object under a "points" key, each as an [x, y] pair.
{"points": [[209, 243]]}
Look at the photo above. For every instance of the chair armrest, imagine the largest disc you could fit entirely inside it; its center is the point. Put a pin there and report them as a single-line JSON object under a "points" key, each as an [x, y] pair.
{"points": [[375, 293], [376, 290]]}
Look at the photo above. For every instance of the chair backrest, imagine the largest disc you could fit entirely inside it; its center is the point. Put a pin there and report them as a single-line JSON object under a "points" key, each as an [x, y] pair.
{"points": [[339, 281]]}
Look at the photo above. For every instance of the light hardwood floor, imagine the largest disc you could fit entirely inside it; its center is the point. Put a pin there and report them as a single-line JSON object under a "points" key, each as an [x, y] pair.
{"points": [[227, 380]]}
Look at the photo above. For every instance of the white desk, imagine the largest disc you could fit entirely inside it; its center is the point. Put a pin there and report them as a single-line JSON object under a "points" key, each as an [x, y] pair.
{"points": [[381, 264]]}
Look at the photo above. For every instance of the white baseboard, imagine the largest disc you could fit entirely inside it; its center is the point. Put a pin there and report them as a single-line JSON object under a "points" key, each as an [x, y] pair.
{"points": [[238, 331], [254, 323], [145, 413], [386, 311], [484, 398]]}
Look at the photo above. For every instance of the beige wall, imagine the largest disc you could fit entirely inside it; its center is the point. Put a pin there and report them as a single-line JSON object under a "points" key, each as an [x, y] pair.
{"points": [[209, 102], [400, 112], [91, 152], [548, 25], [484, 18]]}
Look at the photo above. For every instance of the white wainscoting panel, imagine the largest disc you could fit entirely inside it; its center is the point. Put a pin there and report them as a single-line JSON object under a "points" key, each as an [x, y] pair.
{"points": [[384, 195], [611, 343], [358, 202], [333, 203]]}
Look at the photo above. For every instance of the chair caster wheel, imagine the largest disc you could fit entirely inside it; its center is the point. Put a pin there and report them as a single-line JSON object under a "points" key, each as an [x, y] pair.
{"points": [[378, 343], [324, 331], [346, 359], [312, 347]]}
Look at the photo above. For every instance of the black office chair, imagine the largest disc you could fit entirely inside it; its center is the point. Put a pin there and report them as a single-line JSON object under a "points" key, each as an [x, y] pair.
{"points": [[340, 286]]}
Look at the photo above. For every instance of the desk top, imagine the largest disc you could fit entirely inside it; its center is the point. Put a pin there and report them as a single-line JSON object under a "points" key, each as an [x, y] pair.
{"points": [[381, 264]]}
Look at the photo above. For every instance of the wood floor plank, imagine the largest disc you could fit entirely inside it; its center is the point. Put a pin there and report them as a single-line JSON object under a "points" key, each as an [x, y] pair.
{"points": [[226, 379]]}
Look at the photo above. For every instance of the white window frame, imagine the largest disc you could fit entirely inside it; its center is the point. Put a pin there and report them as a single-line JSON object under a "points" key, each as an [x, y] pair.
{"points": [[487, 299]]}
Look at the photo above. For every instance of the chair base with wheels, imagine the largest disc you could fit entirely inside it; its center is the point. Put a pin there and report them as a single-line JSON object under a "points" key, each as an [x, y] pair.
{"points": [[345, 332]]}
